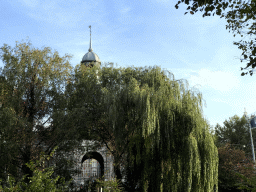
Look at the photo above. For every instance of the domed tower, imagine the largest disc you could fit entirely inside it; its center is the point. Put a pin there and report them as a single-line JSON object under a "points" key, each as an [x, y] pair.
{"points": [[90, 58]]}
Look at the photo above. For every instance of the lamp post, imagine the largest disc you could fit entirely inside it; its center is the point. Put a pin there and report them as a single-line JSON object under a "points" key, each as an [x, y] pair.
{"points": [[253, 154], [250, 130]]}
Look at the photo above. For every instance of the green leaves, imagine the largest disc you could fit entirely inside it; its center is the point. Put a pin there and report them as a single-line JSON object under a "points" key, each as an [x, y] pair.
{"points": [[240, 19], [235, 132], [141, 114], [33, 103], [41, 180], [109, 186], [167, 114], [144, 115]]}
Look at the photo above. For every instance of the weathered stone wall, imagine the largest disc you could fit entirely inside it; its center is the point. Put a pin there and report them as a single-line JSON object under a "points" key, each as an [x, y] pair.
{"points": [[88, 171]]}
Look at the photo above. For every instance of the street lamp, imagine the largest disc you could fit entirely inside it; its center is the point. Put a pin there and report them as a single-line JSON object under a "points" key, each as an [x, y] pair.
{"points": [[253, 121], [251, 124]]}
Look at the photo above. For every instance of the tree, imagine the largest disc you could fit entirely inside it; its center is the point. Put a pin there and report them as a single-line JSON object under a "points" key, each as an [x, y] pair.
{"points": [[32, 116], [236, 132], [235, 153], [231, 162], [248, 184], [41, 180], [240, 18], [154, 122]]}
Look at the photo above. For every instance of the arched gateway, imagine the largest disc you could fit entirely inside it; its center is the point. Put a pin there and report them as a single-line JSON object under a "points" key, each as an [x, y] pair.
{"points": [[92, 165]]}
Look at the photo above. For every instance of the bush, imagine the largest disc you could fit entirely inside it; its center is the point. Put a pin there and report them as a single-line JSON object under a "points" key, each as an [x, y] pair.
{"points": [[40, 181], [110, 186], [249, 184]]}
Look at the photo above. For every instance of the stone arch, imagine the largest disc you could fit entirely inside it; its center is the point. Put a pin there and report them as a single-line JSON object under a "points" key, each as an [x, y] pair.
{"points": [[98, 157]]}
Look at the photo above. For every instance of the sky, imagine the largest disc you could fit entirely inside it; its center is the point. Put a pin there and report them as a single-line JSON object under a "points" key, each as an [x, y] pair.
{"points": [[140, 33]]}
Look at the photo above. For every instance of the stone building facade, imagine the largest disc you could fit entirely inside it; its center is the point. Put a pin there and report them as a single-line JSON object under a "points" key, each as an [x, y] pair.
{"points": [[93, 164]]}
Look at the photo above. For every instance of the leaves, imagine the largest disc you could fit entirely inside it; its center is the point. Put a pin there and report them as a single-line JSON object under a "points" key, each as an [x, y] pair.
{"points": [[233, 142], [240, 19], [141, 113], [32, 96], [233, 165], [40, 181]]}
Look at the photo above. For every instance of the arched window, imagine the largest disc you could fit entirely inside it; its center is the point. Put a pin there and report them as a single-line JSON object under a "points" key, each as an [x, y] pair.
{"points": [[90, 168]]}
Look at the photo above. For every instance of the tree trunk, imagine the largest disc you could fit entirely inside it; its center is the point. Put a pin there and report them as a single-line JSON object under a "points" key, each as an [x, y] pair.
{"points": [[117, 171], [25, 169]]}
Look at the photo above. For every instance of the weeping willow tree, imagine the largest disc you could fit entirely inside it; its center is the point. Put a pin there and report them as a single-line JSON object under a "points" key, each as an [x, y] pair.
{"points": [[154, 127]]}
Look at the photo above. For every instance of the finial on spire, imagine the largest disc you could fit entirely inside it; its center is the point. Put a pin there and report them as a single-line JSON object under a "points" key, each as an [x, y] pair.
{"points": [[245, 113], [90, 47]]}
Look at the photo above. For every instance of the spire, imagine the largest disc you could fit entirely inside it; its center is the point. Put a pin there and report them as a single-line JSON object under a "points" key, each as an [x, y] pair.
{"points": [[245, 113], [90, 48]]}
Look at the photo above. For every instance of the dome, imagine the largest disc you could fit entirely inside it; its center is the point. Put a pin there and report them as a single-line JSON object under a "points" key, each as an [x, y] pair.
{"points": [[90, 56]]}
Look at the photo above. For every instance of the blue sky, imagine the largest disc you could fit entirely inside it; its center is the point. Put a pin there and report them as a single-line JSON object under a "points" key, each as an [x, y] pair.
{"points": [[140, 33]]}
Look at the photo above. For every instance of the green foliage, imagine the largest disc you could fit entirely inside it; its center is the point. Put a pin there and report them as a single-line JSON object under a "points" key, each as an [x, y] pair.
{"points": [[153, 126], [151, 123], [247, 183], [232, 162], [111, 185], [214, 6], [236, 132], [241, 20], [40, 181], [234, 146], [33, 104]]}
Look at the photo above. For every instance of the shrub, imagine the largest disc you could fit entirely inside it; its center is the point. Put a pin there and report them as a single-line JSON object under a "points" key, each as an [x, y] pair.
{"points": [[40, 181]]}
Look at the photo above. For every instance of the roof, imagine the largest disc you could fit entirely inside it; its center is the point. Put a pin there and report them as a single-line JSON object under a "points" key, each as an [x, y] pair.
{"points": [[90, 55]]}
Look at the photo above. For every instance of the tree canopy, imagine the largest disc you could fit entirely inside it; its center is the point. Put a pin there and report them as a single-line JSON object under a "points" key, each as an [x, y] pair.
{"points": [[233, 161], [235, 152], [235, 131], [32, 112], [151, 123], [153, 126], [240, 17]]}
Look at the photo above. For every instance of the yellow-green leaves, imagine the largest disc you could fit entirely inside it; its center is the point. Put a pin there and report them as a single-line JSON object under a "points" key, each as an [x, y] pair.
{"points": [[161, 121]]}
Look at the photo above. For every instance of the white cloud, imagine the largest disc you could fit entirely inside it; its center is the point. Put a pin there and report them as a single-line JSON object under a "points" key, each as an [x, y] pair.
{"points": [[162, 1], [49, 6], [62, 13], [53, 13], [30, 3], [125, 10], [218, 80], [211, 80], [219, 100]]}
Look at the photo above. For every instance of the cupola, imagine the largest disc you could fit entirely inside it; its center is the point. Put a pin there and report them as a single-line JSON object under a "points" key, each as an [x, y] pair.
{"points": [[91, 58]]}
